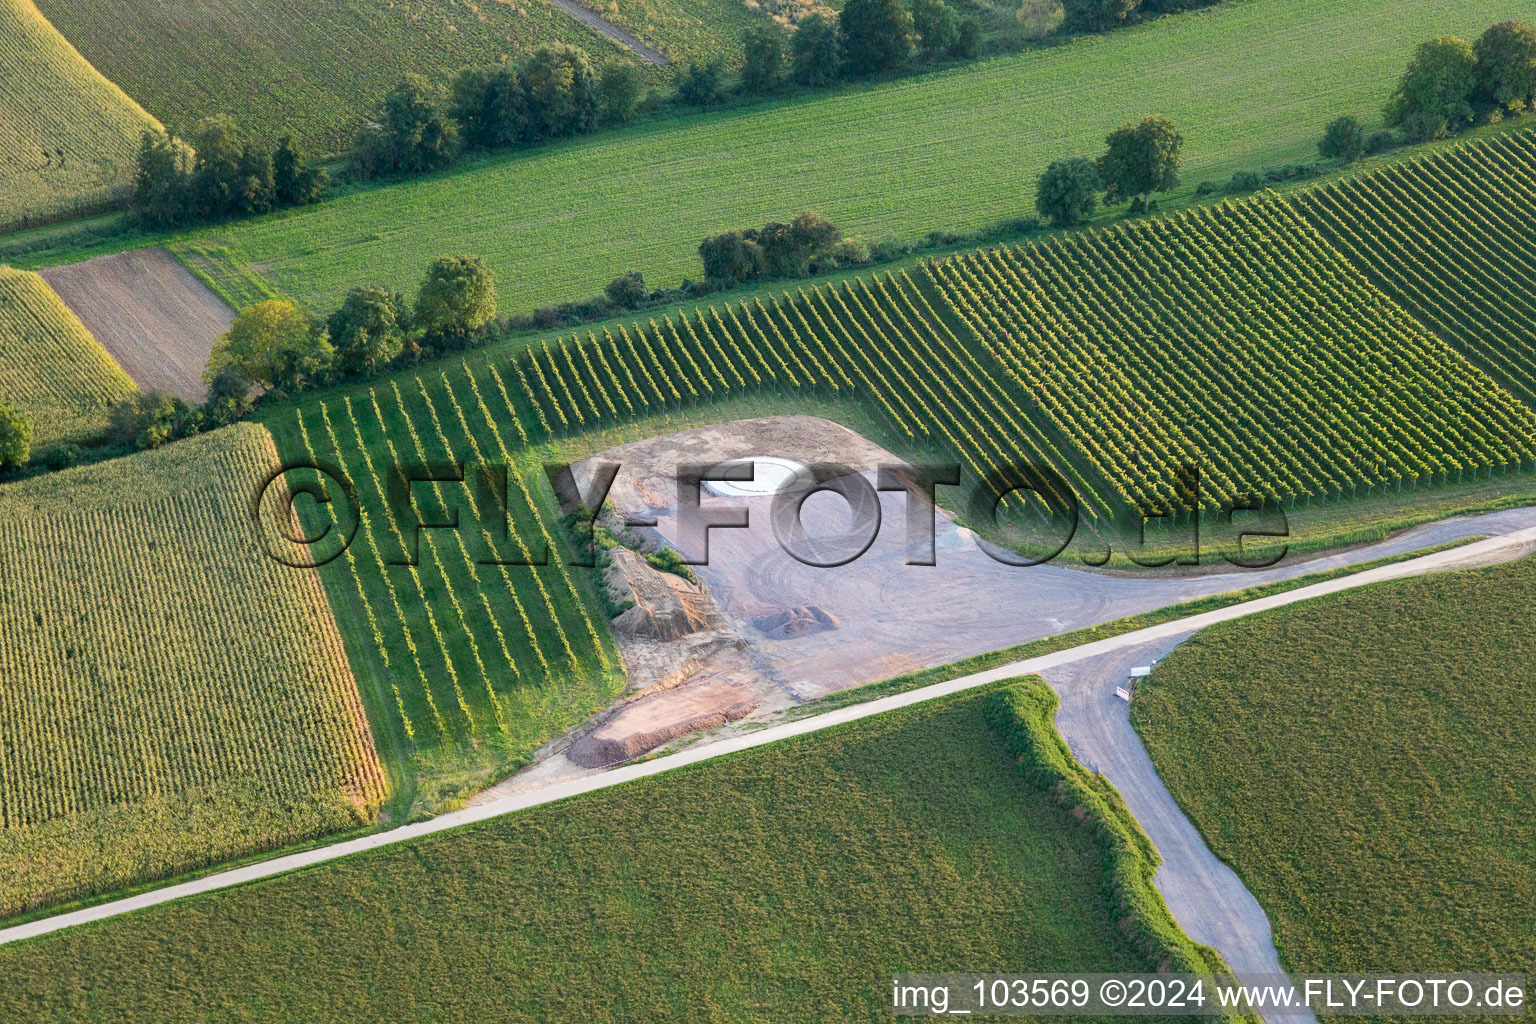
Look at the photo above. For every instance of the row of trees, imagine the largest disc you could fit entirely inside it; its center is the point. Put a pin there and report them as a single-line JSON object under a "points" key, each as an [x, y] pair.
{"points": [[554, 93], [279, 349], [217, 174], [1101, 15], [1450, 82], [1139, 159], [775, 250]]}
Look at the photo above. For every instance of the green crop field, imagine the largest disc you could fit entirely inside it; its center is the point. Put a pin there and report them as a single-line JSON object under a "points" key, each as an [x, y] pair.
{"points": [[783, 884], [51, 369], [1452, 238], [1233, 338], [171, 696], [1251, 84], [1364, 762], [67, 135], [312, 69]]}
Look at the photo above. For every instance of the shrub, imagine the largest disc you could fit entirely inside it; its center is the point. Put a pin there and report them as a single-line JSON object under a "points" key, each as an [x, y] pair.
{"points": [[1245, 181], [1381, 142], [1096, 15], [699, 84], [150, 419], [1207, 188], [1343, 140], [627, 291]]}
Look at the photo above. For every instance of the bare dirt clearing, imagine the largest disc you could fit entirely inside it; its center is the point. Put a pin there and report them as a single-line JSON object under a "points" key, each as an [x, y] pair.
{"points": [[765, 629], [156, 319]]}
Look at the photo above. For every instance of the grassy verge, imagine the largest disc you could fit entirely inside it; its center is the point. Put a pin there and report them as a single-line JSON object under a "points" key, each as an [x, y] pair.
{"points": [[781, 884], [1364, 762], [1023, 714]]}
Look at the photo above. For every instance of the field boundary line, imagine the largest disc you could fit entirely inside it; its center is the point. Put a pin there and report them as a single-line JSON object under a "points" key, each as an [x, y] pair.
{"points": [[1476, 554]]}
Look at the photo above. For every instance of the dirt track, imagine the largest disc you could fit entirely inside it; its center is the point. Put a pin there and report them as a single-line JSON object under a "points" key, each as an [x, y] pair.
{"points": [[156, 319]]}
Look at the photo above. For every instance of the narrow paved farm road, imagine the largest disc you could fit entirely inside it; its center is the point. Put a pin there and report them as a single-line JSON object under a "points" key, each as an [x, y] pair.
{"points": [[1206, 897], [596, 23], [1495, 549]]}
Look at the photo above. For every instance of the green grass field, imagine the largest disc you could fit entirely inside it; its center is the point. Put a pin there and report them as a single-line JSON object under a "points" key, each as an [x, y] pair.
{"points": [[1250, 83], [313, 69], [1450, 237], [783, 884], [1364, 762], [51, 369], [68, 136], [172, 697]]}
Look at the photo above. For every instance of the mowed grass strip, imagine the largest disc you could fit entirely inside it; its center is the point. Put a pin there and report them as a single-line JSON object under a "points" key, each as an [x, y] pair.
{"points": [[51, 369], [67, 135], [784, 884], [169, 695], [312, 69], [1250, 85], [1364, 762]]}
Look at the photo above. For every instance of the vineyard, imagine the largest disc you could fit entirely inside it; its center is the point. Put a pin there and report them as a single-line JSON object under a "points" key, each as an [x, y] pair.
{"points": [[1452, 238], [1233, 338], [290, 66], [67, 135], [51, 369], [171, 697], [485, 647]]}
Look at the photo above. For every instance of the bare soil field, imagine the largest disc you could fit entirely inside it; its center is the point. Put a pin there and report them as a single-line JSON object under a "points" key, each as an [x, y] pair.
{"points": [[156, 319]]}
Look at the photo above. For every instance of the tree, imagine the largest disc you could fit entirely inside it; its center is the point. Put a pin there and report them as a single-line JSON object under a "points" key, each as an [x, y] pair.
{"points": [[218, 183], [1343, 140], [816, 48], [368, 332], [1435, 92], [229, 397], [294, 181], [620, 88], [762, 66], [489, 106], [161, 197], [561, 91], [418, 135], [628, 290], [457, 298], [1096, 15], [274, 343], [968, 41], [149, 419], [699, 84], [1068, 191], [258, 188], [731, 256], [788, 250], [1141, 159], [877, 35], [937, 26], [15, 438], [1506, 65]]}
